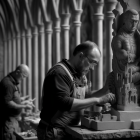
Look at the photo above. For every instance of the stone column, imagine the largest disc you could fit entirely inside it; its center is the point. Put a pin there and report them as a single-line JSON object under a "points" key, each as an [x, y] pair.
{"points": [[23, 60], [65, 34], [41, 59], [48, 44], [109, 6], [18, 46], [98, 39], [56, 47], [5, 57], [77, 25], [35, 67], [9, 53], [13, 52], [29, 61]]}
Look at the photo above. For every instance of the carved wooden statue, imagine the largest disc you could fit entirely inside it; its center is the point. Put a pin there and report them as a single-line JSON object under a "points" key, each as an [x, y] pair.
{"points": [[126, 60]]}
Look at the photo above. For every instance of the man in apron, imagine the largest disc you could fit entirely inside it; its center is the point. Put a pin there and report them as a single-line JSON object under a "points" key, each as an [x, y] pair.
{"points": [[64, 93], [11, 102]]}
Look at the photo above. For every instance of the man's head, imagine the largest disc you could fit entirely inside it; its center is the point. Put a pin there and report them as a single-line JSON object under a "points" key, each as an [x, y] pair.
{"points": [[131, 19], [21, 72], [86, 56]]}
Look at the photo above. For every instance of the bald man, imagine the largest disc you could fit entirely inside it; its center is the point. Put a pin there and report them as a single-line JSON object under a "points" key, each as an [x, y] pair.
{"points": [[11, 101], [63, 93]]}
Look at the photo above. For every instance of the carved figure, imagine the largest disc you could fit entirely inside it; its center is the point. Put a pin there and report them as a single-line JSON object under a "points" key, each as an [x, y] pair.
{"points": [[126, 59]]}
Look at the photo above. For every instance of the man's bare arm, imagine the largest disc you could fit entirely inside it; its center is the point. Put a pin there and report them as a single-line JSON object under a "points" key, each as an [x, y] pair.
{"points": [[79, 104], [14, 105]]}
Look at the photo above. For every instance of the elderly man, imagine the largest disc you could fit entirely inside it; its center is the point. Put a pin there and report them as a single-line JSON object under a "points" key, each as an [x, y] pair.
{"points": [[11, 101], [63, 93]]}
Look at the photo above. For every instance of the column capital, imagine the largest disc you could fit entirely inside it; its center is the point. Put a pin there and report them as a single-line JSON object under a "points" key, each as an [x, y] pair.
{"points": [[41, 28], [110, 5], [35, 30], [57, 25], [28, 33], [65, 18], [97, 6], [98, 9], [18, 35], [48, 27], [23, 33], [65, 21], [77, 15]]}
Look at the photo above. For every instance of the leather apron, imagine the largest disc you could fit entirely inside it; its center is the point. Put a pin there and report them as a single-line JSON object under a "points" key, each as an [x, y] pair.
{"points": [[79, 93]]}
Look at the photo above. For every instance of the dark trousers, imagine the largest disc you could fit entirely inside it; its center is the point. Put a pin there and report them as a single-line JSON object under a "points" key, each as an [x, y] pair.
{"points": [[8, 127], [50, 133]]}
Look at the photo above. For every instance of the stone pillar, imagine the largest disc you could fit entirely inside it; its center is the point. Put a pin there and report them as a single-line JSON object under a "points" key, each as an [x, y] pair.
{"points": [[41, 60], [56, 47], [77, 25], [18, 46], [109, 6], [5, 57], [35, 67], [65, 34], [48, 44], [9, 53], [13, 52], [29, 61], [23, 60], [98, 39]]}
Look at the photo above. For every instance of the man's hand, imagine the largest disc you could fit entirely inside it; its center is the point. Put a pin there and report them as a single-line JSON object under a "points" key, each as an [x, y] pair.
{"points": [[108, 98], [28, 106], [24, 98], [28, 103]]}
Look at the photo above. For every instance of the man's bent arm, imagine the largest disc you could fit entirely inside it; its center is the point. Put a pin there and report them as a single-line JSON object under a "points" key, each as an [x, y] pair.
{"points": [[14, 105], [79, 104]]}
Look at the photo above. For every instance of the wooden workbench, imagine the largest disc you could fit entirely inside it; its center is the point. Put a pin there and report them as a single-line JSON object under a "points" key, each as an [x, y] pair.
{"points": [[82, 133]]}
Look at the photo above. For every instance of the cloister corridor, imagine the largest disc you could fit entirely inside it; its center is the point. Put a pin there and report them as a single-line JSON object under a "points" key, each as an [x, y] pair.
{"points": [[40, 33]]}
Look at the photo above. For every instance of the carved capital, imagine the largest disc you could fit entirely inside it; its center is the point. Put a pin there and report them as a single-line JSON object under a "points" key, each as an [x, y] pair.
{"points": [[57, 25], [110, 5], [97, 6], [48, 26], [65, 19], [41, 29], [28, 33], [35, 31], [77, 15]]}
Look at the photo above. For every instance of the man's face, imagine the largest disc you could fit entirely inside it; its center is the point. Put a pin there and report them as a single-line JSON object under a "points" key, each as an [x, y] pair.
{"points": [[20, 76], [88, 62], [131, 23]]}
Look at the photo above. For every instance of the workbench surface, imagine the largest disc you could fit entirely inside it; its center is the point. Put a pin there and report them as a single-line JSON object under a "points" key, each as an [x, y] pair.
{"points": [[82, 133]]}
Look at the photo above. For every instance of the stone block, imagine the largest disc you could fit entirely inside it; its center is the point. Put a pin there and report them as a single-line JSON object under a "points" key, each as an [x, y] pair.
{"points": [[136, 124], [126, 116], [106, 117], [107, 125], [114, 118], [86, 122]]}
